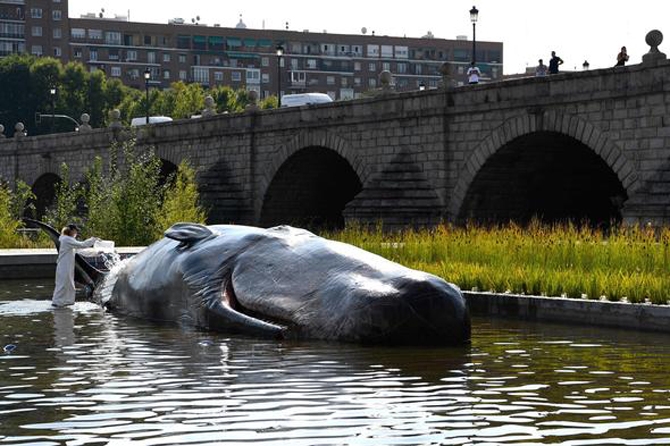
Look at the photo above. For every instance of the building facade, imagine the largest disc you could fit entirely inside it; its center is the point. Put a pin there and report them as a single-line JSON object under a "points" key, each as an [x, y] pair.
{"points": [[344, 66]]}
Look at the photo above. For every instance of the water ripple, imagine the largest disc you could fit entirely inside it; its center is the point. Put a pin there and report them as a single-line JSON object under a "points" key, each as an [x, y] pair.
{"points": [[90, 378]]}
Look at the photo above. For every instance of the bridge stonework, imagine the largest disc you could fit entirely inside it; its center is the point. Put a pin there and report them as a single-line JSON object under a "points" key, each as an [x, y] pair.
{"points": [[593, 144]]}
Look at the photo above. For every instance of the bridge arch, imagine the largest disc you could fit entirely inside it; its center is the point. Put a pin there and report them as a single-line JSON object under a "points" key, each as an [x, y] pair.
{"points": [[44, 189], [327, 171], [311, 189], [567, 168]]}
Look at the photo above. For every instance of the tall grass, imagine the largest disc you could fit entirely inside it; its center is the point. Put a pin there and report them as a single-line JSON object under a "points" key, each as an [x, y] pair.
{"points": [[630, 263]]}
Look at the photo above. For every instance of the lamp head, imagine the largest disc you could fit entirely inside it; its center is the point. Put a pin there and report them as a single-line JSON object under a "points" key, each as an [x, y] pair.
{"points": [[474, 14]]}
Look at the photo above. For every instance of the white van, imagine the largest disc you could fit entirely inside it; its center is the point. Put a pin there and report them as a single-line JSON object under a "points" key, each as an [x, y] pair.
{"points": [[296, 100], [136, 122]]}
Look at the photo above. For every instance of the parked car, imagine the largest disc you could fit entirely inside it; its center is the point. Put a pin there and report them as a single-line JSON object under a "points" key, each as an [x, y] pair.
{"points": [[296, 100], [136, 122]]}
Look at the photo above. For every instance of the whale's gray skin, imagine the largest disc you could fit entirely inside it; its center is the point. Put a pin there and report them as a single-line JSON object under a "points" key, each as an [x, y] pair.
{"points": [[285, 282]]}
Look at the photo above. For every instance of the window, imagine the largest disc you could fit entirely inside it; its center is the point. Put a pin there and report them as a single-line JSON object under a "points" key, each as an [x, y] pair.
{"points": [[36, 31], [95, 34], [344, 81], [265, 61], [182, 58], [131, 55], [236, 76], [56, 14], [357, 50], [113, 38], [57, 33], [387, 50], [294, 64], [57, 51], [372, 66], [36, 13], [401, 52], [418, 69], [151, 57], [116, 72], [357, 81], [36, 50], [166, 74], [201, 75], [298, 77], [93, 54], [372, 82], [78, 33], [113, 54], [311, 64], [265, 78], [253, 76], [461, 55], [330, 80], [166, 57], [401, 68], [373, 50], [386, 66], [182, 75], [147, 40], [218, 76], [357, 66], [77, 53]]}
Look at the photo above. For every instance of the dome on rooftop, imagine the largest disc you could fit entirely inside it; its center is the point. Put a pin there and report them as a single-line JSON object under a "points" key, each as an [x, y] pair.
{"points": [[241, 24]]}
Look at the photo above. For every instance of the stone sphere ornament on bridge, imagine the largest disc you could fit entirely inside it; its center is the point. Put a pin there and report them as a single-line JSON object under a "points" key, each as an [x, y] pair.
{"points": [[654, 39]]}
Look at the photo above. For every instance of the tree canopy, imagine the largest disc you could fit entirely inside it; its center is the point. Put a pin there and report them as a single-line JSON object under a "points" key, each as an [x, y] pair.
{"points": [[27, 81]]}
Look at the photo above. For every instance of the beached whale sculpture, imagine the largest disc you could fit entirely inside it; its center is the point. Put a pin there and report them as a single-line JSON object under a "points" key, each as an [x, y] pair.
{"points": [[284, 282]]}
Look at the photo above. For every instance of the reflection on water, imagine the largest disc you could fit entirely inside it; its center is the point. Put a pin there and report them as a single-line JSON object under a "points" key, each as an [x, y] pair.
{"points": [[82, 376]]}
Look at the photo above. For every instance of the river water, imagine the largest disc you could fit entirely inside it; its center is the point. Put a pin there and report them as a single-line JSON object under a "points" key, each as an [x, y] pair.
{"points": [[81, 376]]}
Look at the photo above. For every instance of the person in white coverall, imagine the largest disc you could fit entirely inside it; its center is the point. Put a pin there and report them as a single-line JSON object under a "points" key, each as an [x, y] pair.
{"points": [[64, 289]]}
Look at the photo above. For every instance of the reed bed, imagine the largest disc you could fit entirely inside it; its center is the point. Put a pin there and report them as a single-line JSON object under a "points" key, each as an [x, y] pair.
{"points": [[624, 264]]}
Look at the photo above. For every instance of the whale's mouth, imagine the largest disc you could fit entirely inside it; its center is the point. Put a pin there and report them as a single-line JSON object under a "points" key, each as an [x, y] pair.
{"points": [[240, 319]]}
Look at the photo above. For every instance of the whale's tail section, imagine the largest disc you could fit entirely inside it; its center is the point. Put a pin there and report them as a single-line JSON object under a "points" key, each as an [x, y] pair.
{"points": [[85, 274]]}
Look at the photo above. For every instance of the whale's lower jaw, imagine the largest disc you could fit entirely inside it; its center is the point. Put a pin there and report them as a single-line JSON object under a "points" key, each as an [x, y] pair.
{"points": [[226, 314]]}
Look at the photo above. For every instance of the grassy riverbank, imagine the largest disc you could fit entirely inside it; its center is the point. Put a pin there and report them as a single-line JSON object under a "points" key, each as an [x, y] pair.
{"points": [[628, 263]]}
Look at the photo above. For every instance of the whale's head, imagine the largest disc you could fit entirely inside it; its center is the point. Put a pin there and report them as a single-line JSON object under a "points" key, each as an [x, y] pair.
{"points": [[289, 282]]}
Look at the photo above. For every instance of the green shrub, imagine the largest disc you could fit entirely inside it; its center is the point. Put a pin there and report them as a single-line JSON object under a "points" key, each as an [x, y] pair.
{"points": [[181, 201]]}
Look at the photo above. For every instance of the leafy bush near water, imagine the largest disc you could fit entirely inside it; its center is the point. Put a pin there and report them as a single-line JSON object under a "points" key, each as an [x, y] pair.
{"points": [[11, 210], [127, 200], [631, 263]]}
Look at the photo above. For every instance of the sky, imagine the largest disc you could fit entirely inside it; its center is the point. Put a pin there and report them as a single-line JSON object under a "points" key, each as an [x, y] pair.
{"points": [[578, 30]]}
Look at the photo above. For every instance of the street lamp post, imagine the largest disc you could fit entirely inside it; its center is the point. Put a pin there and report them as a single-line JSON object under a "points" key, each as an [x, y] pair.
{"points": [[280, 53], [147, 78], [474, 15], [586, 65], [52, 93], [422, 86]]}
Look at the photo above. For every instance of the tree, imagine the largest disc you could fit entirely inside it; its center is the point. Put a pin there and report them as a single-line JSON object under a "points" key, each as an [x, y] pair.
{"points": [[181, 201], [17, 102]]}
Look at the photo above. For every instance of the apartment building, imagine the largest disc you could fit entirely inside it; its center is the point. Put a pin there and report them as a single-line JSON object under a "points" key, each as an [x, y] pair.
{"points": [[344, 66]]}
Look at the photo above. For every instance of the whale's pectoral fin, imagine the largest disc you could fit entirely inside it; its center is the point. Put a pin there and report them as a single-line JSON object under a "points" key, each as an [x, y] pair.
{"points": [[188, 234]]}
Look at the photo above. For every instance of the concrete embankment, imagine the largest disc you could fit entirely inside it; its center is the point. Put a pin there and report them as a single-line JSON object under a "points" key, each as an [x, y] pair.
{"points": [[583, 312], [37, 263], [41, 264]]}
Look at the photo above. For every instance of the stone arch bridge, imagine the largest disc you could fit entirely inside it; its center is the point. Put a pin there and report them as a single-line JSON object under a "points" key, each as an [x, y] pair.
{"points": [[589, 145]]}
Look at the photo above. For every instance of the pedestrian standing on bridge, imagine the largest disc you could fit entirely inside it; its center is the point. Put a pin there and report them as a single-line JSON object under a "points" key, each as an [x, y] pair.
{"points": [[473, 74], [541, 69], [64, 289], [622, 57], [554, 62]]}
